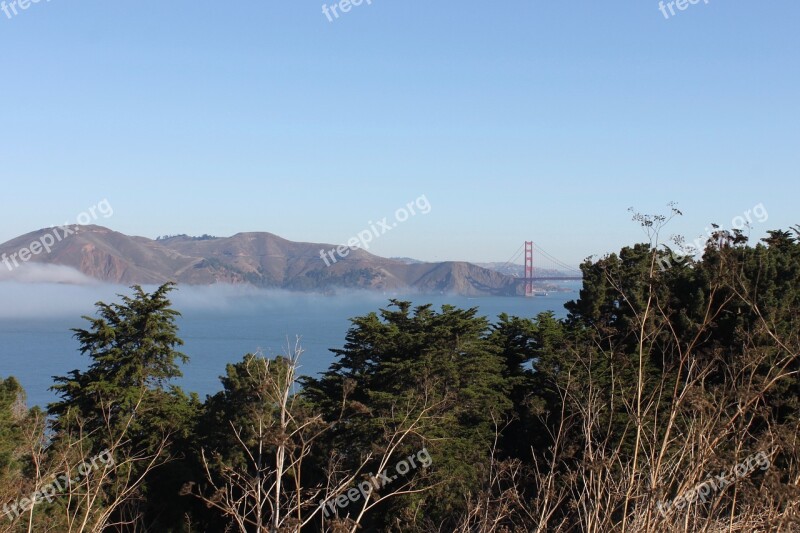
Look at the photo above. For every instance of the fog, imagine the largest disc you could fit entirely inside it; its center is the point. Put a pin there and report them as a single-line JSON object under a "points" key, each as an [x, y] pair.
{"points": [[42, 291], [220, 323], [38, 273]]}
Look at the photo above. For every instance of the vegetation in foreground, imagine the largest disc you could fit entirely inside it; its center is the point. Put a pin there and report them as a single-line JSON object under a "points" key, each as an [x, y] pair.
{"points": [[635, 413]]}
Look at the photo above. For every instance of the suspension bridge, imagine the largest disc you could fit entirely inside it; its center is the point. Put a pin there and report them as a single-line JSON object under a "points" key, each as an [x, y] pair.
{"points": [[553, 269]]}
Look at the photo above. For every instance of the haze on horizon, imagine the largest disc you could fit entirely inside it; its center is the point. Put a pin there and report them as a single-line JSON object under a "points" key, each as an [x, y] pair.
{"points": [[529, 121]]}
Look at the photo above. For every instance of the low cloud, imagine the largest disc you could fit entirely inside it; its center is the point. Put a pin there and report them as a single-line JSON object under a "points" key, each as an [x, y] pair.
{"points": [[59, 291], [36, 273]]}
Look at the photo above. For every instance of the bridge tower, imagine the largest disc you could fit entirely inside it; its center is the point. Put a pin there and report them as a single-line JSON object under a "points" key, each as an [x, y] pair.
{"points": [[528, 269]]}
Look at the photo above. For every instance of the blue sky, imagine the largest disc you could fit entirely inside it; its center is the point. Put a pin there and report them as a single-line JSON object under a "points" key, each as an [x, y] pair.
{"points": [[517, 120]]}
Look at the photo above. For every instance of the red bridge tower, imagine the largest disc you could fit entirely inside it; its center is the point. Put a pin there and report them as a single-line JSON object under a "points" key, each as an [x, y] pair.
{"points": [[528, 268]]}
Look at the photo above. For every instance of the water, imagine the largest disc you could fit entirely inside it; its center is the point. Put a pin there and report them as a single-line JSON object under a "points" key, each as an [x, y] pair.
{"points": [[218, 326]]}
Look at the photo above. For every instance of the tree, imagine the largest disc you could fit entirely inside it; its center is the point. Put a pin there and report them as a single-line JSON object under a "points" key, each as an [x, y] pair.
{"points": [[123, 403], [401, 364], [259, 470]]}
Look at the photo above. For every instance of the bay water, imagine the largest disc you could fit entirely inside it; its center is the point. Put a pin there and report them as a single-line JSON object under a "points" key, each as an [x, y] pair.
{"points": [[219, 325]]}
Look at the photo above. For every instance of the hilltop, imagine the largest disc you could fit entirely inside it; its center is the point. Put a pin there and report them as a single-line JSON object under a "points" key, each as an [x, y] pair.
{"points": [[260, 259]]}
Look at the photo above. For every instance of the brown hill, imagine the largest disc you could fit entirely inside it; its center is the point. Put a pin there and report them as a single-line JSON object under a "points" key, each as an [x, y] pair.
{"points": [[260, 259]]}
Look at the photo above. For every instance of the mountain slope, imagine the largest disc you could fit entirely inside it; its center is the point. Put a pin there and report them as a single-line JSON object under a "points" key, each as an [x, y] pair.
{"points": [[260, 259]]}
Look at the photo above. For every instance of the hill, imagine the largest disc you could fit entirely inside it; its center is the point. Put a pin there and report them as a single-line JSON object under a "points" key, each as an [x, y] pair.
{"points": [[259, 258]]}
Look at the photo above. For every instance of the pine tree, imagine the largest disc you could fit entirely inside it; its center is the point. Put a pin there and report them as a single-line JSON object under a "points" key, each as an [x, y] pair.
{"points": [[125, 402], [437, 367]]}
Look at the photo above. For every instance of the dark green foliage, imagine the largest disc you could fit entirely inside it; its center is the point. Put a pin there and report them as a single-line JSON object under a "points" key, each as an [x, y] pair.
{"points": [[125, 398], [236, 409], [531, 351], [469, 391], [133, 358], [19, 426], [407, 363], [12, 413]]}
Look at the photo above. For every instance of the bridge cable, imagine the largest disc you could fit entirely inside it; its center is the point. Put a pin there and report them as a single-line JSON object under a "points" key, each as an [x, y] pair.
{"points": [[557, 262], [513, 257]]}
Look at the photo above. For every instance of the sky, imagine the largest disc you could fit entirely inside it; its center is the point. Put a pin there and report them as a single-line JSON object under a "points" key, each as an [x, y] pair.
{"points": [[516, 120]]}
